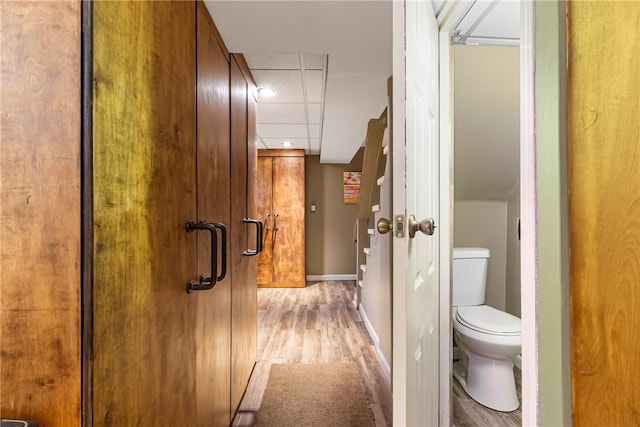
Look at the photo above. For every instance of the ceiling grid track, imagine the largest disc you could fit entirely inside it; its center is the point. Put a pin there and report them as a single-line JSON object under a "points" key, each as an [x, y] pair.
{"points": [[305, 99], [325, 70]]}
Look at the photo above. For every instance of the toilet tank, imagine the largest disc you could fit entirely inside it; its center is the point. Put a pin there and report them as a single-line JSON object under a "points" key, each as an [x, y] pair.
{"points": [[469, 276]]}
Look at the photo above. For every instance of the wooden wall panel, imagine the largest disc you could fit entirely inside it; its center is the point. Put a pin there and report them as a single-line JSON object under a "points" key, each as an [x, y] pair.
{"points": [[288, 202], [604, 206], [40, 212], [264, 182], [144, 192], [213, 333]]}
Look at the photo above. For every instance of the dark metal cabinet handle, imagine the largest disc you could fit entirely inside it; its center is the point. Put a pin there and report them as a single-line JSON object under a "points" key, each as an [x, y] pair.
{"points": [[258, 223], [206, 282], [223, 231]]}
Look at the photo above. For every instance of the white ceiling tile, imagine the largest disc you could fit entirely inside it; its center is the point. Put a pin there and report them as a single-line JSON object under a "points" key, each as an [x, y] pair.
{"points": [[314, 61], [314, 131], [295, 142], [314, 86], [282, 131], [273, 61], [315, 113], [288, 84], [502, 22], [281, 113]]}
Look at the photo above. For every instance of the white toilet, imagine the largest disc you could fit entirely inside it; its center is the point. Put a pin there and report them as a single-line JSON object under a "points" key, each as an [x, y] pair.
{"points": [[489, 339]]}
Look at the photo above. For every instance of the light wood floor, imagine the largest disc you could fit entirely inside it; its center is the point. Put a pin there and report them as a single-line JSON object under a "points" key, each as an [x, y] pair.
{"points": [[316, 324], [319, 324], [467, 412]]}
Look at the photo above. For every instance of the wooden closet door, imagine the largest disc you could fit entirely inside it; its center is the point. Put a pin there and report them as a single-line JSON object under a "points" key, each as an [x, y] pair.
{"points": [[40, 212], [213, 327], [604, 208], [288, 240], [144, 180], [244, 309], [264, 182]]}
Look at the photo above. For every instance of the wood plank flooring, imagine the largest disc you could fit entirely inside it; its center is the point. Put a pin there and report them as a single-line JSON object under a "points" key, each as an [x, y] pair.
{"points": [[319, 324], [467, 412], [315, 324]]}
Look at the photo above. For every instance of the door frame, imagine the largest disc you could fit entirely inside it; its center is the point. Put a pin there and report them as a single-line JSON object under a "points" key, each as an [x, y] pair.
{"points": [[447, 18], [534, 394]]}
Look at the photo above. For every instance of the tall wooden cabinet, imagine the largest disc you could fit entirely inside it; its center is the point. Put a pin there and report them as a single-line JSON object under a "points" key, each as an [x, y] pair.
{"points": [[213, 185], [166, 135], [245, 233], [281, 202], [97, 326], [40, 212]]}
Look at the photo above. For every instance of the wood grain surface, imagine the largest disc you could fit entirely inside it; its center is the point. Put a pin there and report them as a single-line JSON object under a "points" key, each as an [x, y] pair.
{"points": [[288, 202], [40, 212], [244, 323], [604, 206], [264, 182], [294, 152], [144, 182], [213, 330], [281, 190]]}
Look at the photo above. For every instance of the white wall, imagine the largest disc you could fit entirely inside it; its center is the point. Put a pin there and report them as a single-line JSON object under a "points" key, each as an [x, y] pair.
{"points": [[376, 291], [484, 224], [486, 122], [487, 163]]}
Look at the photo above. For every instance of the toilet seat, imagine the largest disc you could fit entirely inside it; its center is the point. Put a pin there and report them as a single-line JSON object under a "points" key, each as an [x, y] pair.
{"points": [[488, 320]]}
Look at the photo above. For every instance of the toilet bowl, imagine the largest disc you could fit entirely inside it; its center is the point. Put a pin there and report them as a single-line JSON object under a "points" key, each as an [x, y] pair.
{"points": [[489, 339]]}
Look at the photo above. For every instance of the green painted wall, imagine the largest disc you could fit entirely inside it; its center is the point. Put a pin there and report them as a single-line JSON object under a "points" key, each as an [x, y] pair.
{"points": [[554, 342]]}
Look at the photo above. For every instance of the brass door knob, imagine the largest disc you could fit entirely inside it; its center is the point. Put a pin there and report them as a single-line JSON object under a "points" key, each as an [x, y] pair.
{"points": [[426, 226], [384, 226]]}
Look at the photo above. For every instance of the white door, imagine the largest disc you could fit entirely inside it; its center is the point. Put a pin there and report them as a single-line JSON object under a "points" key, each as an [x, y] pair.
{"points": [[416, 192]]}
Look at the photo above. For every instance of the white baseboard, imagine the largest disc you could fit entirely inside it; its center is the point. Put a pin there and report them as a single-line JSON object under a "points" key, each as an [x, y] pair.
{"points": [[384, 365], [322, 277]]}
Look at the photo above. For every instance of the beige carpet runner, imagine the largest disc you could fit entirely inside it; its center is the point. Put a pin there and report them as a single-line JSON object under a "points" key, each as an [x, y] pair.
{"points": [[328, 394]]}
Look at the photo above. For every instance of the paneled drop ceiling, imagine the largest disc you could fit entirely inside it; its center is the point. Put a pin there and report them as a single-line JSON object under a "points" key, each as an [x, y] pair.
{"points": [[330, 61], [345, 87], [292, 118]]}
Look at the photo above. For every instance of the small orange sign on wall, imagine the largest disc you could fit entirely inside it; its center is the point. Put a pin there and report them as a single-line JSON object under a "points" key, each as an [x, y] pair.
{"points": [[351, 186]]}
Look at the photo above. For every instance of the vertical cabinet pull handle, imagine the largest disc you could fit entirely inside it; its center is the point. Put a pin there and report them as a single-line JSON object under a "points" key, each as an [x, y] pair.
{"points": [[223, 231], [206, 282], [258, 223], [266, 222], [275, 221]]}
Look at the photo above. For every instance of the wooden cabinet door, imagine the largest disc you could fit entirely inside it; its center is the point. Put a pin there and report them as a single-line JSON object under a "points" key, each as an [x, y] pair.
{"points": [[213, 330], [264, 181], [143, 192], [40, 212], [244, 309], [604, 208], [288, 239]]}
